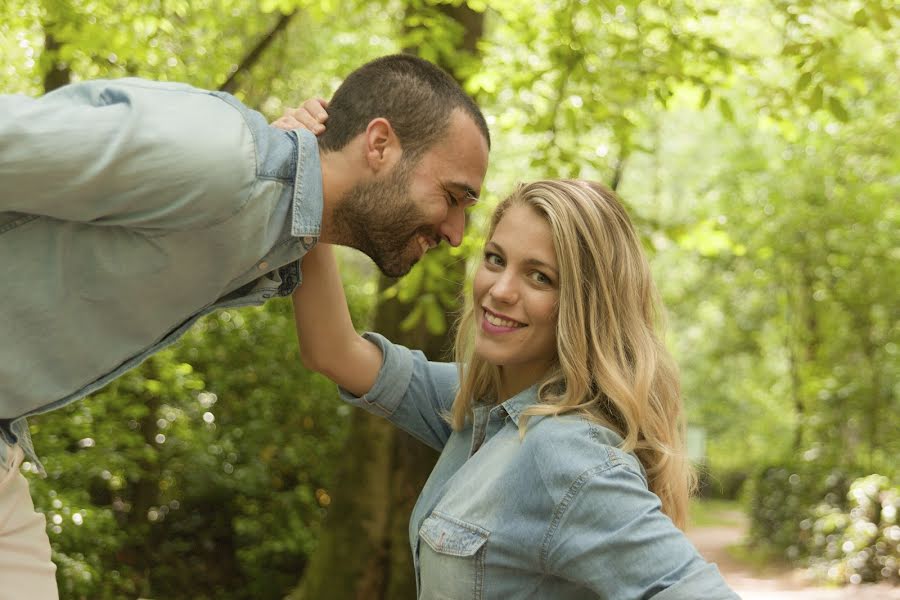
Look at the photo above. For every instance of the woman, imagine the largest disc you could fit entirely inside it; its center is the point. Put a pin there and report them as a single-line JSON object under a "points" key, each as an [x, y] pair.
{"points": [[562, 471]]}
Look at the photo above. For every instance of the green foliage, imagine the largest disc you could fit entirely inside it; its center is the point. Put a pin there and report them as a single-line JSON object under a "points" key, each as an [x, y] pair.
{"points": [[845, 528], [199, 460], [859, 542], [782, 499], [759, 162]]}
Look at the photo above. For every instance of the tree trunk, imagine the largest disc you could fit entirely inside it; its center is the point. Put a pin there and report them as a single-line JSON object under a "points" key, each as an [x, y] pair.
{"points": [[58, 74], [364, 551]]}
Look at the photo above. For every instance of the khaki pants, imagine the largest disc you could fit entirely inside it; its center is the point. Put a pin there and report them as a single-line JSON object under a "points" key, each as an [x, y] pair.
{"points": [[26, 571]]}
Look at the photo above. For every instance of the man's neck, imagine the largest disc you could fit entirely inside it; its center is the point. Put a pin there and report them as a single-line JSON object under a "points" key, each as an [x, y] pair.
{"points": [[337, 180]]}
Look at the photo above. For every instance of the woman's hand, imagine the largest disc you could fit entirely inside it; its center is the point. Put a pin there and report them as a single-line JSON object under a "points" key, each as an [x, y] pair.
{"points": [[311, 115]]}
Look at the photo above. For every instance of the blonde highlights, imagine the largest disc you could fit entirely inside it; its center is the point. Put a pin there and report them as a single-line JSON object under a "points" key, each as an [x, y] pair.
{"points": [[612, 367]]}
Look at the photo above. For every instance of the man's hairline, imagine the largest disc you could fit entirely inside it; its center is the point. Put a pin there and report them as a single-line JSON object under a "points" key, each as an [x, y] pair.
{"points": [[418, 153]]}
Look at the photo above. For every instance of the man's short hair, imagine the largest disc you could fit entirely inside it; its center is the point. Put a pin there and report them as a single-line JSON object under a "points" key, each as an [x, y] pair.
{"points": [[415, 96]]}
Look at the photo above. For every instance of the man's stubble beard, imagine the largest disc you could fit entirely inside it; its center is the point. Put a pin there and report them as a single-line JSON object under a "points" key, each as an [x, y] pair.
{"points": [[379, 218]]}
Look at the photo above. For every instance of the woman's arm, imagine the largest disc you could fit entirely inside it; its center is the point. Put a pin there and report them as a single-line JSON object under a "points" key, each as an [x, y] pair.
{"points": [[328, 342], [610, 535], [394, 383]]}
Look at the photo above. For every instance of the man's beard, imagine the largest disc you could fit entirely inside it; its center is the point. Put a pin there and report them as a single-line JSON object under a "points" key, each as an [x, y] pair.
{"points": [[380, 219]]}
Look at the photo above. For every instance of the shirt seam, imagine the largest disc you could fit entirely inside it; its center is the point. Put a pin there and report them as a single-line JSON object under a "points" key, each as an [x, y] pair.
{"points": [[150, 232], [563, 505]]}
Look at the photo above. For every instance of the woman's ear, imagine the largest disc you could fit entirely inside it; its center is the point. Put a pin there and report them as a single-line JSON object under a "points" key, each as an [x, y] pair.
{"points": [[382, 146]]}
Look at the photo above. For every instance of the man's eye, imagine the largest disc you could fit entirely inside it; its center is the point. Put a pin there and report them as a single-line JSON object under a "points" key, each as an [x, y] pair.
{"points": [[451, 200]]}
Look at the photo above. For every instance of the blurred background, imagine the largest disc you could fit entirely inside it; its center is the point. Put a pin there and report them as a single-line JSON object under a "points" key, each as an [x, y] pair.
{"points": [[755, 144]]}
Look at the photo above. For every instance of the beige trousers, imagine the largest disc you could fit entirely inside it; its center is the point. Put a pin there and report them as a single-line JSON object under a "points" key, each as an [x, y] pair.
{"points": [[26, 571]]}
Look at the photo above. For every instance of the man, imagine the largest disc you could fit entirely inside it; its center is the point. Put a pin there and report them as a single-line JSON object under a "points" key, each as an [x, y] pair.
{"points": [[129, 209]]}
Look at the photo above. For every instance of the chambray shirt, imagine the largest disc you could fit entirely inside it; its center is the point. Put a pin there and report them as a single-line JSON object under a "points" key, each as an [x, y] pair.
{"points": [[561, 514], [128, 210]]}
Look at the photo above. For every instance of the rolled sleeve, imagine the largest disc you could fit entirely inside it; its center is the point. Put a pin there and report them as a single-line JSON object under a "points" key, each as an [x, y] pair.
{"points": [[392, 381], [705, 582], [412, 392], [125, 152]]}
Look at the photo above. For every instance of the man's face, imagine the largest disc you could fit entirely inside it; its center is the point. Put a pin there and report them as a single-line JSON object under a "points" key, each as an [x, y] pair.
{"points": [[396, 218]]}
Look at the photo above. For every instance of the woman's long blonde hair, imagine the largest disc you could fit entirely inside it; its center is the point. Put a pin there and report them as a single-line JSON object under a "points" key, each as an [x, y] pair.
{"points": [[612, 366]]}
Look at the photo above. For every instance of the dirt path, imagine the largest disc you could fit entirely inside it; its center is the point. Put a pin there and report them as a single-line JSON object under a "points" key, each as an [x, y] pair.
{"points": [[772, 583]]}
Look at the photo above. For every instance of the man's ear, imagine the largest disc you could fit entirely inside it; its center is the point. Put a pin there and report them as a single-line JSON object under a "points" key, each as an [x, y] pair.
{"points": [[382, 146]]}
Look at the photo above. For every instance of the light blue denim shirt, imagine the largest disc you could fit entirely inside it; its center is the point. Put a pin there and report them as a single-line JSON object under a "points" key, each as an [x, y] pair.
{"points": [[128, 210], [561, 514]]}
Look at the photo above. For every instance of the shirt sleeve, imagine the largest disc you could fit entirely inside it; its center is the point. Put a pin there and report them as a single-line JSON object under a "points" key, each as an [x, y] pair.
{"points": [[410, 391], [125, 152], [610, 535]]}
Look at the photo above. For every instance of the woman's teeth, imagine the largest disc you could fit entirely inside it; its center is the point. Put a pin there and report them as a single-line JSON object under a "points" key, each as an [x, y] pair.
{"points": [[497, 321]]}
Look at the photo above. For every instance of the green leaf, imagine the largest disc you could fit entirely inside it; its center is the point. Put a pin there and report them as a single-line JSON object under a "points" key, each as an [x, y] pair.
{"points": [[861, 18], [704, 100], [815, 100], [412, 319], [791, 49], [435, 320], [726, 110], [411, 285], [836, 107], [881, 17]]}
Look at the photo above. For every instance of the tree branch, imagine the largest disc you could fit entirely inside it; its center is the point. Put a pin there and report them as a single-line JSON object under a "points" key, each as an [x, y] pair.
{"points": [[252, 58]]}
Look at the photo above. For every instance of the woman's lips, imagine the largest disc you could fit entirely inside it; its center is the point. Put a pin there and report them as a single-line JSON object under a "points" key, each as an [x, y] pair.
{"points": [[493, 323]]}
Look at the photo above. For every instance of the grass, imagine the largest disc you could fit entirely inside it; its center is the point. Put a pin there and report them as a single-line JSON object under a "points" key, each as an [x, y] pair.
{"points": [[709, 513]]}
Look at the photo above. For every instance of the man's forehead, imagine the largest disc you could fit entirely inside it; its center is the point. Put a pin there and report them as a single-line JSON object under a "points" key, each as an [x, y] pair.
{"points": [[462, 157]]}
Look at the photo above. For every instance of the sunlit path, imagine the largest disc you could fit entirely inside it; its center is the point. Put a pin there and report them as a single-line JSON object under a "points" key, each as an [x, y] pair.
{"points": [[772, 583]]}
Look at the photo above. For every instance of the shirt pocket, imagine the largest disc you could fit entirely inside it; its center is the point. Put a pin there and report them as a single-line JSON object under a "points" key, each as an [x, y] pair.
{"points": [[451, 560]]}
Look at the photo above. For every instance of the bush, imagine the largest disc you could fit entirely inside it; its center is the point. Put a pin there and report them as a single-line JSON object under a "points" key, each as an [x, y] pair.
{"points": [[844, 528], [782, 501], [725, 485], [861, 544]]}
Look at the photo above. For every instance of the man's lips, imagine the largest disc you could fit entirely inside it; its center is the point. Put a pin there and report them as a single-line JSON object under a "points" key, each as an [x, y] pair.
{"points": [[425, 243]]}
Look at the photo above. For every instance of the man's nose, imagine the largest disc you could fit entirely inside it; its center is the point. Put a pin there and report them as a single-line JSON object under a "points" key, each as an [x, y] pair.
{"points": [[452, 227]]}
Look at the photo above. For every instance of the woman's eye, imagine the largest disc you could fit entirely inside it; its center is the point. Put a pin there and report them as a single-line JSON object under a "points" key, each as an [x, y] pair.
{"points": [[541, 278], [493, 259]]}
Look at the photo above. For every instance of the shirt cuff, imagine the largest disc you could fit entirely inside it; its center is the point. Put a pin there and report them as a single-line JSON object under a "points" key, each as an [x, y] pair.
{"points": [[392, 381], [706, 583]]}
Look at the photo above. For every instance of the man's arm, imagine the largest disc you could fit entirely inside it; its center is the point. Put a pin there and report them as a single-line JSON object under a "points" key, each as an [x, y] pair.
{"points": [[125, 152]]}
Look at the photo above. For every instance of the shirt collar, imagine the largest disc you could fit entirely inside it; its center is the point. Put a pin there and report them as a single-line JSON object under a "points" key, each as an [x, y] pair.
{"points": [[306, 220], [516, 405]]}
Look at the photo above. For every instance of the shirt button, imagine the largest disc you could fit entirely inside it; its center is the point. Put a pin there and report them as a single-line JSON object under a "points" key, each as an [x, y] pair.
{"points": [[307, 240], [263, 266]]}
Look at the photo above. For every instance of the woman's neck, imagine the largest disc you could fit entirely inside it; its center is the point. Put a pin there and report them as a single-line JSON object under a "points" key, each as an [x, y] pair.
{"points": [[513, 381]]}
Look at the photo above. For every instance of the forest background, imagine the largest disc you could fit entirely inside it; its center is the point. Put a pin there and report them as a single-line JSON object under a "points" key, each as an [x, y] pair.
{"points": [[755, 144]]}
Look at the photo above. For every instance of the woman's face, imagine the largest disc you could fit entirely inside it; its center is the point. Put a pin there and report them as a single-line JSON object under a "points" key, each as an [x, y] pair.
{"points": [[516, 292]]}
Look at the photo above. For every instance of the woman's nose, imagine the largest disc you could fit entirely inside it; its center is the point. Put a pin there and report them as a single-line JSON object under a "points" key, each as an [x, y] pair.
{"points": [[504, 289]]}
